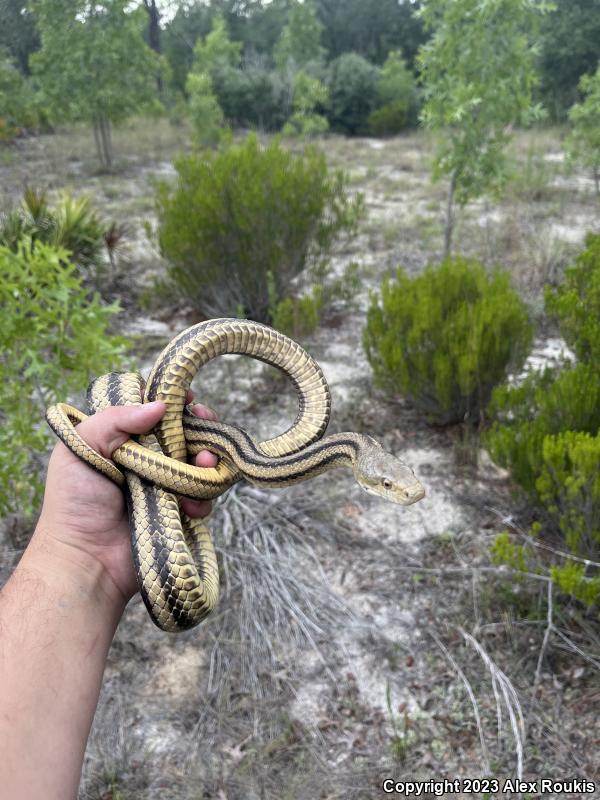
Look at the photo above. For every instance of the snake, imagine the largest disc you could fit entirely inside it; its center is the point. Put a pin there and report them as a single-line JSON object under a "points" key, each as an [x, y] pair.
{"points": [[174, 557]]}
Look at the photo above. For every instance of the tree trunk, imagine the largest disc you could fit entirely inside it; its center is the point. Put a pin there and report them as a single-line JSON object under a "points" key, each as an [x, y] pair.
{"points": [[97, 139], [109, 147], [103, 140], [154, 32], [449, 217]]}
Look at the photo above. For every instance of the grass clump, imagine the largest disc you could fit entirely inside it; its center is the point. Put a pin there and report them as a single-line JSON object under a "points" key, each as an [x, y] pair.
{"points": [[71, 224], [446, 338], [238, 216]]}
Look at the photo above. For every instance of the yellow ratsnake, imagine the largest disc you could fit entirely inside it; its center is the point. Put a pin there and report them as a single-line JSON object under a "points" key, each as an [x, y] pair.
{"points": [[173, 554]]}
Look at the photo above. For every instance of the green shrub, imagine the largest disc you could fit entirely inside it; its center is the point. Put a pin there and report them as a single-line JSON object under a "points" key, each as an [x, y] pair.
{"points": [[299, 317], [576, 303], [353, 93], [54, 338], [389, 119], [545, 404], [72, 224], [446, 338], [554, 402], [546, 432], [238, 215], [569, 488]]}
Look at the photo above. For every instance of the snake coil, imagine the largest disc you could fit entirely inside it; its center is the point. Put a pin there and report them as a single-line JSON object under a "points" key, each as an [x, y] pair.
{"points": [[174, 558]]}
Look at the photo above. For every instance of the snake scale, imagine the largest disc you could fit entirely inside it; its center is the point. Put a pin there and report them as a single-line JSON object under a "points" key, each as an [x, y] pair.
{"points": [[174, 558]]}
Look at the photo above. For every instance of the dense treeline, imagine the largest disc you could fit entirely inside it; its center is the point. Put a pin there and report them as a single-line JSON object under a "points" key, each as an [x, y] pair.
{"points": [[258, 93]]}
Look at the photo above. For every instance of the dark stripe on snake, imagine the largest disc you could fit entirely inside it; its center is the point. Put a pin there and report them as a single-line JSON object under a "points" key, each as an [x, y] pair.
{"points": [[131, 479], [257, 459]]}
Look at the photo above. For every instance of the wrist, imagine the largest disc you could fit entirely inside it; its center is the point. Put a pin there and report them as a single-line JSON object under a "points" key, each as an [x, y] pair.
{"points": [[73, 573]]}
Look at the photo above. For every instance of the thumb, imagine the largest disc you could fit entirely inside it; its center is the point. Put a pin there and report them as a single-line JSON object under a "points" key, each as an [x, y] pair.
{"points": [[109, 429]]}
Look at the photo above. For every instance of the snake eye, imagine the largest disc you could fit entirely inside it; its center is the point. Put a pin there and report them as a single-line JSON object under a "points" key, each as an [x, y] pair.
{"points": [[387, 484]]}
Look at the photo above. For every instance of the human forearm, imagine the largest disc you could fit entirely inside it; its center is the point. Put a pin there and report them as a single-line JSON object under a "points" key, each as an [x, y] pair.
{"points": [[58, 614]]}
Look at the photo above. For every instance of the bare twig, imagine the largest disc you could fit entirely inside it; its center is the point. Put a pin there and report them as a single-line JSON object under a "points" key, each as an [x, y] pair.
{"points": [[546, 639]]}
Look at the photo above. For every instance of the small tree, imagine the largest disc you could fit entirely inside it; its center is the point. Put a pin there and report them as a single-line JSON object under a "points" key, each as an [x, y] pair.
{"points": [[93, 64], [205, 112], [216, 51], [583, 144], [396, 96], [300, 40], [478, 74], [309, 94]]}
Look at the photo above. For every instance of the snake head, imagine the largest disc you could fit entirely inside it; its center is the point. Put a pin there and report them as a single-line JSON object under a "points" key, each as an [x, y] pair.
{"points": [[387, 476]]}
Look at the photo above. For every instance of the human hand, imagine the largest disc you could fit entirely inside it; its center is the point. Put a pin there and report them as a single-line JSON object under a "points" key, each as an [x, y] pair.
{"points": [[84, 513]]}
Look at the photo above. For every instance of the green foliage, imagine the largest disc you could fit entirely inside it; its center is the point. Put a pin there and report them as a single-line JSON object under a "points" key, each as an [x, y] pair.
{"points": [[217, 50], [571, 578], [300, 40], [544, 404], [569, 48], [353, 93], [93, 64], [189, 24], [252, 97], [504, 551], [583, 144], [546, 430], [205, 112], [446, 338], [17, 100], [576, 303], [236, 216], [478, 75], [248, 95], [299, 317], [54, 339], [71, 225], [569, 487], [397, 98], [309, 94], [549, 403], [370, 28], [18, 35]]}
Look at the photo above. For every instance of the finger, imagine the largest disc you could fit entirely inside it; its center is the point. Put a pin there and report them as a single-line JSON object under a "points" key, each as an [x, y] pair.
{"points": [[195, 508], [205, 412], [206, 459], [109, 429]]}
